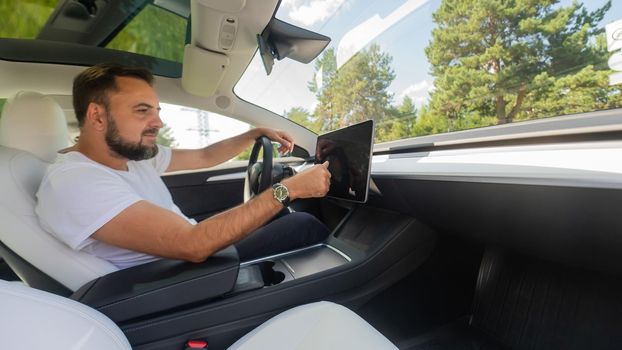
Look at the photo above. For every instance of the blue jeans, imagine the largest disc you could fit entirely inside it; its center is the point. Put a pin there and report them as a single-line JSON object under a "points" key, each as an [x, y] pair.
{"points": [[284, 233]]}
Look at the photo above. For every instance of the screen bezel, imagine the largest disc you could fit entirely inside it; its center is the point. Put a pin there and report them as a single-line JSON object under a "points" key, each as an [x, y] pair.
{"points": [[371, 151]]}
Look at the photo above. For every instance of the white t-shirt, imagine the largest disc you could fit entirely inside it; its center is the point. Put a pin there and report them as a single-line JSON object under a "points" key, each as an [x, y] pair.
{"points": [[78, 196]]}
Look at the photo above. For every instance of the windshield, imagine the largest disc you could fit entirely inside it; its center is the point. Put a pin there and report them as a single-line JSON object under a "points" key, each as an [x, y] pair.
{"points": [[422, 67]]}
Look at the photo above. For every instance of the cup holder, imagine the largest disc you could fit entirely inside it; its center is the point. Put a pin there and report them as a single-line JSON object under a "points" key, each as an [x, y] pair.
{"points": [[269, 275]]}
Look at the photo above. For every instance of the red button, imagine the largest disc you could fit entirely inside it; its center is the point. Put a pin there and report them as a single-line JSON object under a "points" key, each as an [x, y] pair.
{"points": [[196, 344]]}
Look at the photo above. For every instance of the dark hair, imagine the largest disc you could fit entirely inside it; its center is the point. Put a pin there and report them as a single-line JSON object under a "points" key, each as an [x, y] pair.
{"points": [[93, 84]]}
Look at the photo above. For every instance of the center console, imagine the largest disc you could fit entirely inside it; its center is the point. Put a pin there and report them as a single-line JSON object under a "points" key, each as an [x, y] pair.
{"points": [[288, 266], [221, 299]]}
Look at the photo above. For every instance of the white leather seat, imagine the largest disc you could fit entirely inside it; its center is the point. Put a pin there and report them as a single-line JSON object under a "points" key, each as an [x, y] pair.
{"points": [[32, 129], [321, 325], [33, 319]]}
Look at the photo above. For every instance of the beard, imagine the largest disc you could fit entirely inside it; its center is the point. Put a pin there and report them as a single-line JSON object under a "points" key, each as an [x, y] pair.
{"points": [[126, 149]]}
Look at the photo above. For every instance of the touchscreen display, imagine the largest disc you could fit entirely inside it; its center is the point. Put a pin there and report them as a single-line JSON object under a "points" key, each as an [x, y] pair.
{"points": [[348, 152]]}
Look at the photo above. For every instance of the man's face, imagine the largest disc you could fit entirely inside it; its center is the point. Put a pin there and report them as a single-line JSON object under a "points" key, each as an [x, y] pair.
{"points": [[128, 149], [133, 120]]}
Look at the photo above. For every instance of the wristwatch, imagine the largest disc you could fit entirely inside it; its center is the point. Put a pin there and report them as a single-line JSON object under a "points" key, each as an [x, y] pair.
{"points": [[280, 193]]}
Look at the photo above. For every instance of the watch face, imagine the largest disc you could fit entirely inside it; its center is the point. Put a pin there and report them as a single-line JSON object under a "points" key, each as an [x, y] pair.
{"points": [[281, 193]]}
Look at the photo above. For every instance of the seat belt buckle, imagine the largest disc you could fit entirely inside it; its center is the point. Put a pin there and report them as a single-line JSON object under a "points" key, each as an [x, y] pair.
{"points": [[196, 344]]}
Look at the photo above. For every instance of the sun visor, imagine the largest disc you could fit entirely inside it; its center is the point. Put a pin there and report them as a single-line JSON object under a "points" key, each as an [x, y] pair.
{"points": [[203, 70], [281, 39]]}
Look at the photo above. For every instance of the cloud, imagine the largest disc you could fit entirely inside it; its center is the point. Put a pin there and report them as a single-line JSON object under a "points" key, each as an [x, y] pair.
{"points": [[419, 92], [290, 4], [313, 11], [361, 35]]}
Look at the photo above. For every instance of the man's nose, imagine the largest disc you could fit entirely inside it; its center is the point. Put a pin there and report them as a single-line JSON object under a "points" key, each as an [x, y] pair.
{"points": [[157, 123]]}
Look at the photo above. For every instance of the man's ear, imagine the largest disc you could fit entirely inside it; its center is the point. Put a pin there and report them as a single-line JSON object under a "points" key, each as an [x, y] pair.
{"points": [[96, 116]]}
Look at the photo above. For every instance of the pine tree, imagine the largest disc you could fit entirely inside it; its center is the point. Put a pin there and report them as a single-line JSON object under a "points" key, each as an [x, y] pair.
{"points": [[302, 117], [493, 58], [401, 123], [356, 92]]}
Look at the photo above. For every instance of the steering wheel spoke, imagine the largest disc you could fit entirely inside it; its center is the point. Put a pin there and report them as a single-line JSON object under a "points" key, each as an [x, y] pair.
{"points": [[259, 175]]}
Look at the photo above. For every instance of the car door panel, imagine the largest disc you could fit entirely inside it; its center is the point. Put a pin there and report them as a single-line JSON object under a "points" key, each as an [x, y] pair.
{"points": [[202, 194]]}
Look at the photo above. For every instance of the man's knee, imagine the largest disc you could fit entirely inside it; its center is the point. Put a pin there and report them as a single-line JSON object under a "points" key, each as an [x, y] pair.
{"points": [[304, 219], [301, 217], [308, 223]]}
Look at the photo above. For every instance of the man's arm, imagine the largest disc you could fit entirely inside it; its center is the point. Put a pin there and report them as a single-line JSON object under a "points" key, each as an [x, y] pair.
{"points": [[188, 159], [150, 229]]}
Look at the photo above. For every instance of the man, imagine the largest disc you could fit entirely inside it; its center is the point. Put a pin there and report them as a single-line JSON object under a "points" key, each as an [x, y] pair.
{"points": [[105, 195]]}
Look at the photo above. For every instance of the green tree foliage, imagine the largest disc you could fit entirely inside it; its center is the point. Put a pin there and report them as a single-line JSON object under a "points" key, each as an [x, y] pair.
{"points": [[165, 137], [401, 123], [354, 93], [325, 69], [429, 123], [24, 19], [302, 117], [246, 154], [153, 32], [498, 61]]}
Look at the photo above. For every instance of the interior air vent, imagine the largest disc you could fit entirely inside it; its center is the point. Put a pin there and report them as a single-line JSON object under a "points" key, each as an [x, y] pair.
{"points": [[228, 30]]}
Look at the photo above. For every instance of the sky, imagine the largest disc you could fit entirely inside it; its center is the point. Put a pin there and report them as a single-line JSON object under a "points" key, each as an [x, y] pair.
{"points": [[193, 128]]}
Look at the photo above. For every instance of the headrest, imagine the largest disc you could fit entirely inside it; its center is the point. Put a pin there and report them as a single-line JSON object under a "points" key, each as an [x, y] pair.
{"points": [[34, 123]]}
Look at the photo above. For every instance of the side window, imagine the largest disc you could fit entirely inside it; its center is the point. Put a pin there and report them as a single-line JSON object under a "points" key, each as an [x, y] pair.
{"points": [[193, 128]]}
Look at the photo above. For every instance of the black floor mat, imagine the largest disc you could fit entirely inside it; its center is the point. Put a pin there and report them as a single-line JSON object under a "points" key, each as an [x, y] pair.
{"points": [[456, 336], [525, 303], [439, 292]]}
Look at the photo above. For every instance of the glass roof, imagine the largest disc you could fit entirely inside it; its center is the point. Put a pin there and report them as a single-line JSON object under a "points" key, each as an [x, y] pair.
{"points": [[147, 30]]}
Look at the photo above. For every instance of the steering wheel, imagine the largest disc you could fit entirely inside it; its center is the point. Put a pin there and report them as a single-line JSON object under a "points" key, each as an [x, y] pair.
{"points": [[258, 175]]}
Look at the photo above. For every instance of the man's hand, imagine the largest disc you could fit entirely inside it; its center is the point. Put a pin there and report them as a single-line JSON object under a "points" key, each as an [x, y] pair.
{"points": [[324, 148], [313, 182], [285, 139], [222, 151]]}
